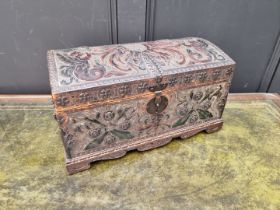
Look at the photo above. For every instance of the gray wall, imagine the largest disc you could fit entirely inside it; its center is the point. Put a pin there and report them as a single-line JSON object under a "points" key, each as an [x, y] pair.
{"points": [[247, 30]]}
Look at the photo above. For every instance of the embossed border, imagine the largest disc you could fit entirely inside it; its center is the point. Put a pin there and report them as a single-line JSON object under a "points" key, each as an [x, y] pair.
{"points": [[46, 98], [65, 102]]}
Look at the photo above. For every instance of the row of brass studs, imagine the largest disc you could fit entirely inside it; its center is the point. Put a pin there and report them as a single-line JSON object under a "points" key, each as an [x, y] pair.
{"points": [[142, 87]]}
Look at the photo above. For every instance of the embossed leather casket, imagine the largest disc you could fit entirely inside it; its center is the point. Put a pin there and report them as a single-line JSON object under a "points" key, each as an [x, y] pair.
{"points": [[112, 99]]}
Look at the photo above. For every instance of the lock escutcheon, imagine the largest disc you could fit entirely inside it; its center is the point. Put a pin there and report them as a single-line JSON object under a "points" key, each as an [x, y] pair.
{"points": [[157, 104]]}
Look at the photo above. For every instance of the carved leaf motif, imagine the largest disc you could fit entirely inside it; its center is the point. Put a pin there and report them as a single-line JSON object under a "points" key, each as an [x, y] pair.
{"points": [[95, 142], [95, 121], [212, 92], [207, 94], [200, 102], [65, 58], [204, 114], [182, 120], [122, 134]]}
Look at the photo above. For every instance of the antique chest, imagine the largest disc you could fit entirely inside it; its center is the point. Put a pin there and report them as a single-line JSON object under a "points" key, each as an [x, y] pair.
{"points": [[115, 98]]}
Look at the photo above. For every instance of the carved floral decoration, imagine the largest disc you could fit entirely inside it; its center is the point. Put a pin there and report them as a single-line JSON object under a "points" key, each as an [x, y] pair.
{"points": [[105, 128], [110, 125], [196, 106]]}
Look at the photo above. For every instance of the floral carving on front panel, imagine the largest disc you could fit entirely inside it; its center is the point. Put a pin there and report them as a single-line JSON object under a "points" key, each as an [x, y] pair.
{"points": [[101, 127], [186, 108], [151, 125], [111, 125], [196, 104]]}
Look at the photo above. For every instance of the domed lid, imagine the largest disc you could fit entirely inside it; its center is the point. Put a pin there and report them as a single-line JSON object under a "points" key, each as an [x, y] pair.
{"points": [[88, 67]]}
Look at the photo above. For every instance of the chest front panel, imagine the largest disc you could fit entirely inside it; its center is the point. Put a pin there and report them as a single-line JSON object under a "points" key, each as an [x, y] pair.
{"points": [[112, 125]]}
